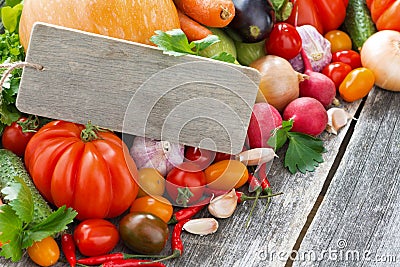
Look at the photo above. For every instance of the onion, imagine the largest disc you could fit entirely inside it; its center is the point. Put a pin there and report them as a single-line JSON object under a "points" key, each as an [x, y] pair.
{"points": [[317, 48], [160, 155], [279, 83], [381, 54]]}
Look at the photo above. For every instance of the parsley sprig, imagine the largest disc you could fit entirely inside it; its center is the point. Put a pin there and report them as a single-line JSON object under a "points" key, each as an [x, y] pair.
{"points": [[175, 43], [16, 227], [11, 50], [304, 152]]}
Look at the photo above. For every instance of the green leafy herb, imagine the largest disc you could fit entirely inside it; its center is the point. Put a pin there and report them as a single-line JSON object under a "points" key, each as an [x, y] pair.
{"points": [[17, 233], [282, 9], [304, 152], [10, 16], [175, 43], [11, 50]]}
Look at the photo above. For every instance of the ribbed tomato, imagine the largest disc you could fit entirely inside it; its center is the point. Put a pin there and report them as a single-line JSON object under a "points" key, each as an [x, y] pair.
{"points": [[88, 170]]}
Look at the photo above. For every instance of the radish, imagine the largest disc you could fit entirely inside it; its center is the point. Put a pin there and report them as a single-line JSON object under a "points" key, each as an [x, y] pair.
{"points": [[308, 114], [318, 85], [264, 119]]}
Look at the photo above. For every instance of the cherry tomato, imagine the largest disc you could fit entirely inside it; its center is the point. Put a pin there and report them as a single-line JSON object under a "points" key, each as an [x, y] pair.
{"points": [[156, 205], [339, 40], [95, 237], [202, 157], [284, 41], [336, 71], [17, 135], [350, 57], [226, 174], [45, 252], [185, 183], [221, 156], [150, 182], [357, 84]]}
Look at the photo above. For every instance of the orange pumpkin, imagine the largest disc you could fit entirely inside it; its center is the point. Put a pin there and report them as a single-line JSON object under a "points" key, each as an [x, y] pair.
{"points": [[132, 20]]}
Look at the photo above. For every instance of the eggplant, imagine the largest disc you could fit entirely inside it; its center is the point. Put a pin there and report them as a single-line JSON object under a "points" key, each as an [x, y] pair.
{"points": [[253, 21]]}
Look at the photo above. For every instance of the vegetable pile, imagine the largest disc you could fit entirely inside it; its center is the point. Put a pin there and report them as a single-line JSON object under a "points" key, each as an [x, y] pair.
{"points": [[84, 189]]}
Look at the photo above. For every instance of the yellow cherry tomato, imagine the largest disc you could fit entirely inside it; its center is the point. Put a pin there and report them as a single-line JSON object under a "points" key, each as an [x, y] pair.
{"points": [[150, 182], [45, 252], [226, 174], [339, 40], [356, 84], [156, 205]]}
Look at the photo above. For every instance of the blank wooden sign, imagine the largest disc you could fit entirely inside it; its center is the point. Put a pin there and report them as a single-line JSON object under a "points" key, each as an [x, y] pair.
{"points": [[136, 89]]}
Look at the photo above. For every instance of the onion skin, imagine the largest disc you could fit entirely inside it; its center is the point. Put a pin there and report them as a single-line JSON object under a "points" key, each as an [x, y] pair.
{"points": [[381, 54], [279, 83]]}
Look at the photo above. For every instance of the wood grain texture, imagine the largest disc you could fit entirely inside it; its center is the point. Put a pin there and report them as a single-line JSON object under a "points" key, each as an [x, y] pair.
{"points": [[136, 89], [360, 215], [269, 239]]}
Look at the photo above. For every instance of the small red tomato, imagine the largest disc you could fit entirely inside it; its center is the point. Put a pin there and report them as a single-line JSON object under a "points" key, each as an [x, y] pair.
{"points": [[284, 41], [185, 183], [349, 57], [17, 135], [219, 156], [202, 157], [336, 71], [95, 237]]}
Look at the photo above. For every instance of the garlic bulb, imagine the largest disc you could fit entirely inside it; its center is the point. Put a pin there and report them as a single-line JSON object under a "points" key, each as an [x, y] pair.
{"points": [[160, 155], [337, 118]]}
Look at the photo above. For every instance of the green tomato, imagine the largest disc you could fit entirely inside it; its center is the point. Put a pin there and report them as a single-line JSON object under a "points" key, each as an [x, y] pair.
{"points": [[225, 44], [249, 52]]}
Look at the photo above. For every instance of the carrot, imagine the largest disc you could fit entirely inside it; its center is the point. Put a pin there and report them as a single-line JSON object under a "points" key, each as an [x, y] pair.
{"points": [[193, 30], [211, 13]]}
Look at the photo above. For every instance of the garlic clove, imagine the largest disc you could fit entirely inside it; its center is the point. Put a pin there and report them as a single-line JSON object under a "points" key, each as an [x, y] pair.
{"points": [[223, 206], [337, 118], [202, 226], [256, 156]]}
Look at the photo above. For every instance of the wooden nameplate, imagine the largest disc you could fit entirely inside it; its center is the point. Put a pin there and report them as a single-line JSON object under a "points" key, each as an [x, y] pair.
{"points": [[136, 89]]}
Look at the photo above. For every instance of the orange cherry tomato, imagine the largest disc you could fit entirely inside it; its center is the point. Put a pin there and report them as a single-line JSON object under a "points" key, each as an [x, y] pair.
{"points": [[150, 182], [156, 205], [339, 40], [226, 174], [357, 84], [45, 252]]}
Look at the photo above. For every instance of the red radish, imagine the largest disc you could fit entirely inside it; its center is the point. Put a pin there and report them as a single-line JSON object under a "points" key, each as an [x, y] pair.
{"points": [[264, 119], [308, 114], [318, 85]]}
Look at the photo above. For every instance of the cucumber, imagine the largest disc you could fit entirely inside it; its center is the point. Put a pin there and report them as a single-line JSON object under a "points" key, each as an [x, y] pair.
{"points": [[12, 166], [358, 23]]}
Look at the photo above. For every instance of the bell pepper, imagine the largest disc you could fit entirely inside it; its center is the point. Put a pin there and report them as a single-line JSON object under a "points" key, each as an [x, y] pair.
{"points": [[385, 14], [324, 15]]}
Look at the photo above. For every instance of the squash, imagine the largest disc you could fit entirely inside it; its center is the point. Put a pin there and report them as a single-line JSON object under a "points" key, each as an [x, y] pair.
{"points": [[132, 20]]}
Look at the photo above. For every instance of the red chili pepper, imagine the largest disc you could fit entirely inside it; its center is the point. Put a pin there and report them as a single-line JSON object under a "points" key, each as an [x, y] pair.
{"points": [[68, 248], [189, 212], [96, 260], [240, 195], [132, 263]]}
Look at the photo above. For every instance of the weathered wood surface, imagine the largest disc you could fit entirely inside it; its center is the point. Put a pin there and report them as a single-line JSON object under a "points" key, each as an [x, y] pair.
{"points": [[359, 218], [136, 89], [270, 238]]}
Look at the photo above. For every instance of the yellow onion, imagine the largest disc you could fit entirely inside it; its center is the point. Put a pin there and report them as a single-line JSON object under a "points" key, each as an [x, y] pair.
{"points": [[381, 54], [279, 83]]}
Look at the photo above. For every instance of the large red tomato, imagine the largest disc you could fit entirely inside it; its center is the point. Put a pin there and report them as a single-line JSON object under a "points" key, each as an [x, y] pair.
{"points": [[88, 170]]}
